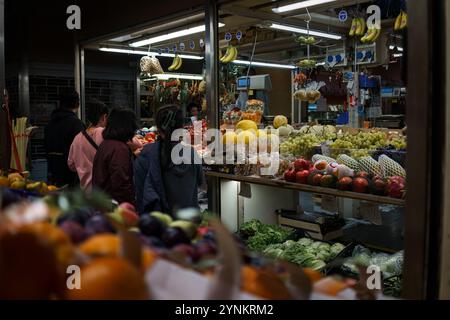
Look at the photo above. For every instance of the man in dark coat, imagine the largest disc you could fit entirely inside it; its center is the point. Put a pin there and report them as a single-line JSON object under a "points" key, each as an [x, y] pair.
{"points": [[64, 125]]}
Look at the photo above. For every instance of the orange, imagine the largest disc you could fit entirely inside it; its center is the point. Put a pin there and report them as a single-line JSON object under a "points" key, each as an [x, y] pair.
{"points": [[55, 237], [101, 245], [4, 181], [330, 286], [312, 274], [109, 279], [108, 245], [28, 267], [263, 283]]}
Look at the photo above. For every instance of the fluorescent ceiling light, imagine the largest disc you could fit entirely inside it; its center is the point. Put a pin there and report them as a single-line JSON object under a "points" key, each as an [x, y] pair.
{"points": [[172, 35], [151, 53], [167, 76], [300, 5], [400, 49], [265, 64], [391, 47], [305, 31]]}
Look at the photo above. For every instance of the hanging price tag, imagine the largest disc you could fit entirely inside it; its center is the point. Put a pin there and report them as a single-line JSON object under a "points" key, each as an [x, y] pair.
{"points": [[182, 46], [329, 203], [239, 35], [228, 36], [370, 212], [192, 44], [343, 15]]}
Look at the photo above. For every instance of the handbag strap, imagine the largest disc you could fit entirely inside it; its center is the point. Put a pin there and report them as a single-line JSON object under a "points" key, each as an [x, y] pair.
{"points": [[89, 139]]}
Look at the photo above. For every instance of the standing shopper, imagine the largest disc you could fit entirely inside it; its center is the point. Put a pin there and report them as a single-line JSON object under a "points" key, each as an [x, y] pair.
{"points": [[112, 171], [160, 184], [87, 142], [64, 125]]}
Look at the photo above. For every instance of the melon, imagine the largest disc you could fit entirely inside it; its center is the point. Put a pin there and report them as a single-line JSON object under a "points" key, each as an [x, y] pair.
{"points": [[280, 121], [246, 125]]}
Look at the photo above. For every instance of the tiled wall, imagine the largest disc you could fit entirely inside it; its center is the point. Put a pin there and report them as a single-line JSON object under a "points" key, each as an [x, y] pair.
{"points": [[44, 96]]}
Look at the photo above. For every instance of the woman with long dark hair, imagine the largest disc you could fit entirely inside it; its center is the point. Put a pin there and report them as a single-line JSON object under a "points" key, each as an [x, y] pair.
{"points": [[113, 162], [162, 185]]}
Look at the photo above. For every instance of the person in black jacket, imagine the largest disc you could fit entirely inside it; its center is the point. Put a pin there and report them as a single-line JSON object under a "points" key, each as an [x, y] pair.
{"points": [[160, 184], [64, 125]]}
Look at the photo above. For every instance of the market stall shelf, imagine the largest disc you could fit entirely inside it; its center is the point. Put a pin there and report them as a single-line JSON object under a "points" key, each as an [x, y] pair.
{"points": [[306, 188]]}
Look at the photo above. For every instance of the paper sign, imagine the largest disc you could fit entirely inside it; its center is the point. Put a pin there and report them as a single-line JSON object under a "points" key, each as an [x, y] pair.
{"points": [[370, 212], [329, 203]]}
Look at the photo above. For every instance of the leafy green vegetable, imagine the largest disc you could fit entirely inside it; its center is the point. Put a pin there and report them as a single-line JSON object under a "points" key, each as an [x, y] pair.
{"points": [[305, 241], [250, 228]]}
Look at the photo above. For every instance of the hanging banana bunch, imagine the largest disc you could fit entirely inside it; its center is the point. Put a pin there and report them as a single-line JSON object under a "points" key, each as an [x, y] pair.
{"points": [[401, 22], [230, 55], [176, 63], [371, 35], [358, 27]]}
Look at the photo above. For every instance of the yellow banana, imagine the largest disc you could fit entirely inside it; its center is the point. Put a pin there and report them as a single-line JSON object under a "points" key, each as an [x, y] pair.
{"points": [[220, 54], [398, 21], [231, 56], [367, 36], [404, 22], [353, 28], [377, 35], [174, 63], [179, 64], [226, 55], [358, 27], [363, 26]]}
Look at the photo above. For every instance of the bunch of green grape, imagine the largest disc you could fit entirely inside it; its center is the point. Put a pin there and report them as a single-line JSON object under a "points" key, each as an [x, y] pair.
{"points": [[361, 140], [300, 145], [399, 143]]}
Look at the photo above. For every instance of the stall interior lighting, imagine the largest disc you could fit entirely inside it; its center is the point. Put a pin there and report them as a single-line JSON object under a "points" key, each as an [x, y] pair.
{"points": [[398, 55], [167, 76], [265, 64], [151, 53], [300, 5], [172, 35], [305, 31]]}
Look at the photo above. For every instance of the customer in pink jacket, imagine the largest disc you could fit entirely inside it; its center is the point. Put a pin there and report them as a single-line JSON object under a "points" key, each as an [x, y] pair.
{"points": [[85, 145]]}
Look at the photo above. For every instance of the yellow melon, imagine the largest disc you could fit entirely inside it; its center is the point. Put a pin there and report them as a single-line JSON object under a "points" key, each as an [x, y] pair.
{"points": [[280, 121], [246, 125]]}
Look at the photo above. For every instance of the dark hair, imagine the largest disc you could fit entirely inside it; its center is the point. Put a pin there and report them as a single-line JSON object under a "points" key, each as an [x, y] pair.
{"points": [[168, 119], [121, 125], [193, 105], [69, 100], [95, 110]]}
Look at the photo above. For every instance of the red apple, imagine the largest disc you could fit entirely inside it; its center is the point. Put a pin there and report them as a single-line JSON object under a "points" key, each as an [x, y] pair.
{"points": [[128, 206], [360, 185], [301, 164], [289, 175], [302, 176], [130, 218], [345, 184]]}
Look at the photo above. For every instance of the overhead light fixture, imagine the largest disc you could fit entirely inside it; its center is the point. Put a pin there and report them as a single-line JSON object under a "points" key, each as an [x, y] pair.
{"points": [[265, 64], [400, 49], [167, 76], [398, 55], [151, 53], [391, 47], [300, 5], [172, 35], [306, 31]]}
